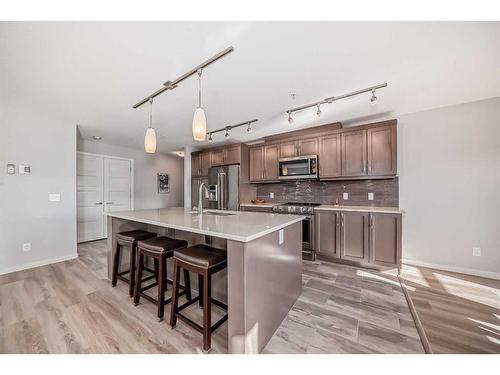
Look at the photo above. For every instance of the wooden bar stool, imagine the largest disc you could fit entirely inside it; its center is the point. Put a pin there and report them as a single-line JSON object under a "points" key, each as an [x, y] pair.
{"points": [[128, 239], [205, 261], [160, 249]]}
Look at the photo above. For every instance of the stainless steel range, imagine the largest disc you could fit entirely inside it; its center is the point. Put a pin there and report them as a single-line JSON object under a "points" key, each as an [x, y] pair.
{"points": [[307, 210]]}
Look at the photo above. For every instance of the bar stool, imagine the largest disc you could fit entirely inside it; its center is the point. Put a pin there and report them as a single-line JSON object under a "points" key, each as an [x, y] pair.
{"points": [[159, 248], [129, 239], [205, 261]]}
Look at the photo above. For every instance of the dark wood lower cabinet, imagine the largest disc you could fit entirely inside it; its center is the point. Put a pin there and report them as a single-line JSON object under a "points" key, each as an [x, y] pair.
{"points": [[369, 239], [354, 236]]}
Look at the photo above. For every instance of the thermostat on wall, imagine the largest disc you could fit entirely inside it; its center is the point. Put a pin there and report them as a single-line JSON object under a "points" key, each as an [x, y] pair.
{"points": [[24, 169], [11, 169]]}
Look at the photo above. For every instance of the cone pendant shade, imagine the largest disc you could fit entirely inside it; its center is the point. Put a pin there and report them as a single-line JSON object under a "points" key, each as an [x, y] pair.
{"points": [[150, 141], [199, 124]]}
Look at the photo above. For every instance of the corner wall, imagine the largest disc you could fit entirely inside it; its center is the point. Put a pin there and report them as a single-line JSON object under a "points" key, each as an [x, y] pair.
{"points": [[48, 146], [449, 181]]}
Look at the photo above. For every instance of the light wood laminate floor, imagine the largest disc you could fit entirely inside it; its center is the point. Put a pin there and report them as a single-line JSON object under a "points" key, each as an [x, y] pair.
{"points": [[459, 313], [70, 307]]}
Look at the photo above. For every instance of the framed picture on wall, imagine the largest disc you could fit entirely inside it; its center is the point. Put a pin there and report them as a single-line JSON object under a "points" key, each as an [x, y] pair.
{"points": [[163, 183]]}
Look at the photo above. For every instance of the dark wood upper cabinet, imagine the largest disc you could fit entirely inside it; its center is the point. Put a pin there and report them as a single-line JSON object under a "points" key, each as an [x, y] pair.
{"points": [[256, 168], [354, 153], [354, 236], [200, 163], [327, 233], [271, 157], [217, 157], [232, 155], [288, 149], [382, 151], [307, 146], [330, 156], [205, 163], [385, 239]]}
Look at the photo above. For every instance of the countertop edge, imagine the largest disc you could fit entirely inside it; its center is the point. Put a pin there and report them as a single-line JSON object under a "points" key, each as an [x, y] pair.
{"points": [[207, 232]]}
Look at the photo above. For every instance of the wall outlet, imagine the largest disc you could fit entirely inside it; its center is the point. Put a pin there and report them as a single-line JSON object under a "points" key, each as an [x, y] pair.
{"points": [[271, 195], [27, 246], [54, 197], [476, 251], [24, 169], [11, 169], [371, 196], [345, 196], [281, 235]]}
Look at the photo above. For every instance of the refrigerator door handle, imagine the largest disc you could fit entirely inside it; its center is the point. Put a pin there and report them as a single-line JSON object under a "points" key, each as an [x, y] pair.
{"points": [[223, 188]]}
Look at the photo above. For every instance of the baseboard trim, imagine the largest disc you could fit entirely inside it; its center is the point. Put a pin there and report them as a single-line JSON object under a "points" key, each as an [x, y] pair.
{"points": [[463, 270], [39, 263]]}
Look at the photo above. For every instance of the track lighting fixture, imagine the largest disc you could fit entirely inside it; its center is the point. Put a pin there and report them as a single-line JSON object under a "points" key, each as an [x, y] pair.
{"points": [[226, 129], [318, 112], [374, 99], [330, 100], [150, 137]]}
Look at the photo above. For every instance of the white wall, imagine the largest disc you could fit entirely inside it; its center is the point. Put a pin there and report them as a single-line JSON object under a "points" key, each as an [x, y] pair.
{"points": [[449, 168], [146, 167], [48, 146]]}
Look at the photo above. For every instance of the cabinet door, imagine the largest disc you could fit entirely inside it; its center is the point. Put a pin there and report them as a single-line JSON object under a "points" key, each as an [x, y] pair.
{"points": [[385, 239], [381, 151], [288, 149], [256, 163], [329, 156], [327, 231], [271, 162], [195, 165], [354, 153], [308, 146], [232, 155], [205, 163], [354, 236], [217, 157]]}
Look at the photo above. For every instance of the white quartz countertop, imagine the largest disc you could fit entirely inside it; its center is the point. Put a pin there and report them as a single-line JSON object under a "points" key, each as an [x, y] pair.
{"points": [[242, 226], [388, 210]]}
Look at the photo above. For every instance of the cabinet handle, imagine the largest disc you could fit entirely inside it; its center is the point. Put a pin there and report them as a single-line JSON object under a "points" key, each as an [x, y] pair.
{"points": [[342, 219], [98, 203], [109, 202]]}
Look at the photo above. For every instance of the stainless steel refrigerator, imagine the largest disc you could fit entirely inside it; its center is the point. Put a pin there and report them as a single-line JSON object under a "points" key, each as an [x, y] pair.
{"points": [[223, 187]]}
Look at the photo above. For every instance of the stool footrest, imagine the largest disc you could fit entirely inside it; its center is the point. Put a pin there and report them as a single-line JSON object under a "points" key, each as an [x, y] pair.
{"points": [[199, 328]]}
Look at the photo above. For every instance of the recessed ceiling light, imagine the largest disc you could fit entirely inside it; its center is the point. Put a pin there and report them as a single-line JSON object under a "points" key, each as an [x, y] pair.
{"points": [[96, 137]]}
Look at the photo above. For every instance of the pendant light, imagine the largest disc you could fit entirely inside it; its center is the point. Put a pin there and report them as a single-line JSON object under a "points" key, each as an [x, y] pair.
{"points": [[150, 137], [199, 118]]}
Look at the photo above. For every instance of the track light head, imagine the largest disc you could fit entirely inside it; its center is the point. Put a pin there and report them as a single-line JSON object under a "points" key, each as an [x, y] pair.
{"points": [[227, 133], [374, 99], [210, 137], [290, 119], [249, 128], [318, 112]]}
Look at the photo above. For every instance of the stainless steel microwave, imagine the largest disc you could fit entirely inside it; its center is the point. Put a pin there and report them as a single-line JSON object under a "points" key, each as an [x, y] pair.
{"points": [[298, 168]]}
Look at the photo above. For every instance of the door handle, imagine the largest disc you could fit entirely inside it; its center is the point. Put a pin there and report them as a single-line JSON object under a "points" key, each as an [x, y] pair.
{"points": [[98, 203]]}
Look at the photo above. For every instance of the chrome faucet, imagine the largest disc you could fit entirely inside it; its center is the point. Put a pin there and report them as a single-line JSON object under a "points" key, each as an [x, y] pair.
{"points": [[200, 198]]}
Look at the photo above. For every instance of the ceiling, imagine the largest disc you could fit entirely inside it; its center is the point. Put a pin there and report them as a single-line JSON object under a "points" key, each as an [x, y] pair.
{"points": [[91, 73]]}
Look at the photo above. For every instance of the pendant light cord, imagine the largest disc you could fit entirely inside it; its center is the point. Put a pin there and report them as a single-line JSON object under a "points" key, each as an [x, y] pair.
{"points": [[151, 112], [199, 88]]}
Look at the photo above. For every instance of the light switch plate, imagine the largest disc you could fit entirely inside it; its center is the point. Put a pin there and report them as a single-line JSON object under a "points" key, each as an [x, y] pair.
{"points": [[281, 235], [345, 196], [370, 196], [271, 195], [476, 251], [24, 169], [54, 197]]}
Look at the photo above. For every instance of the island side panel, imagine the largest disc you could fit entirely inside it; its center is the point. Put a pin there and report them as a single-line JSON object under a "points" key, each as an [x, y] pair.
{"points": [[264, 281]]}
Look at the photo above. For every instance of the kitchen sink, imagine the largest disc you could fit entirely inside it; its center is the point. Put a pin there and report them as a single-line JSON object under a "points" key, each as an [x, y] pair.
{"points": [[217, 213]]}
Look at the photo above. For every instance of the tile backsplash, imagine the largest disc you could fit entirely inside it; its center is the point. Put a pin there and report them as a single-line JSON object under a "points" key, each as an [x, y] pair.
{"points": [[385, 192]]}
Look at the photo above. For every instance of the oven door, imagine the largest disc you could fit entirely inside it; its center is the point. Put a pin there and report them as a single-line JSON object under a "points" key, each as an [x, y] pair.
{"points": [[297, 168]]}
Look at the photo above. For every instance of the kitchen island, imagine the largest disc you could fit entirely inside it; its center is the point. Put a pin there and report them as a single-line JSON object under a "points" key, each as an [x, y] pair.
{"points": [[264, 263]]}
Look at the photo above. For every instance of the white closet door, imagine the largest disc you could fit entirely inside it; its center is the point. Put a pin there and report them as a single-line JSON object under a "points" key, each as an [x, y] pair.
{"points": [[90, 197], [117, 185]]}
